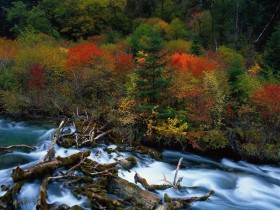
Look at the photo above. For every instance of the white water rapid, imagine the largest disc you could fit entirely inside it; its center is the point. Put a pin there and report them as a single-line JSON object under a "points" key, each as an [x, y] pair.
{"points": [[237, 185]]}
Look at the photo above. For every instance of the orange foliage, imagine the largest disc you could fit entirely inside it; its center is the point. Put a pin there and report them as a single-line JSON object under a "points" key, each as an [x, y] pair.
{"points": [[268, 99], [190, 63], [7, 48]]}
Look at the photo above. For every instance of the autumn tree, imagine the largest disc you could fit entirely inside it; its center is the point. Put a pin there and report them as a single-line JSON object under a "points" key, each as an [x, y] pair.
{"points": [[89, 70]]}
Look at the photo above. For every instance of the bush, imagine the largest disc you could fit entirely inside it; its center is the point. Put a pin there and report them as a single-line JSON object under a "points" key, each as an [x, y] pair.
{"points": [[214, 139]]}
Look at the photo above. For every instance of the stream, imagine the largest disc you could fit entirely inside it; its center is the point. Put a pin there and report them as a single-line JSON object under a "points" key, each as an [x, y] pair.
{"points": [[237, 184]]}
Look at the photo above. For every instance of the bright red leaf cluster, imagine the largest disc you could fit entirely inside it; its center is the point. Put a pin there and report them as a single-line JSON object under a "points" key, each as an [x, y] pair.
{"points": [[84, 54], [190, 63]]}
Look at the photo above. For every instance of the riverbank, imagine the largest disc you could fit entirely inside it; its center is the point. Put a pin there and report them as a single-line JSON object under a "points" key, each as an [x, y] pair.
{"points": [[227, 152], [237, 184]]}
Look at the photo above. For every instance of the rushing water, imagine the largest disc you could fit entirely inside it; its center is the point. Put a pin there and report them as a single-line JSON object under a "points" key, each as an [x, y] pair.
{"points": [[238, 185]]}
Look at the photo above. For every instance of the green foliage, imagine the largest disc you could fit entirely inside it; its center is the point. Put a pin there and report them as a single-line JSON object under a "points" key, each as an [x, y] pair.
{"points": [[196, 48], [214, 139], [176, 30], [178, 45], [244, 87], [150, 82], [230, 55], [23, 17], [14, 102], [148, 38], [272, 51], [8, 80]]}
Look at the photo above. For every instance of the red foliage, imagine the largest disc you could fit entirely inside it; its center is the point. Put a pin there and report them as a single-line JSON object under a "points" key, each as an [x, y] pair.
{"points": [[83, 54], [36, 77], [124, 63], [198, 106], [268, 99], [190, 63]]}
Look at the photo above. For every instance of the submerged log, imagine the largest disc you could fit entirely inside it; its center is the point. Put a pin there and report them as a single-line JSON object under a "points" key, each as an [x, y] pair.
{"points": [[133, 194], [42, 169]]}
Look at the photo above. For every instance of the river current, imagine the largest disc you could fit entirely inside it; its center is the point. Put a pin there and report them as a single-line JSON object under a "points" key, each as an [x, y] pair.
{"points": [[237, 184]]}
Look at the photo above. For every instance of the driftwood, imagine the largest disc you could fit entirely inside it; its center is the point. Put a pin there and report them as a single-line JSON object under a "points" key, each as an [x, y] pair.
{"points": [[133, 194], [51, 153], [42, 200], [45, 168], [180, 203], [176, 183], [9, 200], [8, 149]]}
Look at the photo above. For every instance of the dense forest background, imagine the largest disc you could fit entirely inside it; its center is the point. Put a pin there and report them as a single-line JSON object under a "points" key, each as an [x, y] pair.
{"points": [[202, 74]]}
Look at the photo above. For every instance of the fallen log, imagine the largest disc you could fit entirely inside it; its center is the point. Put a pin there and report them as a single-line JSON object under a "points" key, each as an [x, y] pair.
{"points": [[42, 169], [173, 204], [133, 194]]}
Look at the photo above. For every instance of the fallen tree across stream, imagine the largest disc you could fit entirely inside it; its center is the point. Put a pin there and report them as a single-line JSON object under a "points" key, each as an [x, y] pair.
{"points": [[89, 178]]}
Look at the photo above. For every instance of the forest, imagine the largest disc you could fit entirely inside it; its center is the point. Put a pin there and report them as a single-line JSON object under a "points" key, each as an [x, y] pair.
{"points": [[186, 74]]}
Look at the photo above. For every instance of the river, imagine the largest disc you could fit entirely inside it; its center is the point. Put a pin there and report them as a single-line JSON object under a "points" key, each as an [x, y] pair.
{"points": [[238, 184]]}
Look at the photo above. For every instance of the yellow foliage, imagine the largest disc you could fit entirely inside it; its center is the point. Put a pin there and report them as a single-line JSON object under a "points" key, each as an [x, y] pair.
{"points": [[141, 58], [170, 129], [126, 107], [179, 45], [50, 57], [254, 69]]}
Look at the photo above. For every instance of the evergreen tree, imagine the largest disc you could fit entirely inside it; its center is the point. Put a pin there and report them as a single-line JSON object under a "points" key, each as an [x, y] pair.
{"points": [[150, 81], [196, 47]]}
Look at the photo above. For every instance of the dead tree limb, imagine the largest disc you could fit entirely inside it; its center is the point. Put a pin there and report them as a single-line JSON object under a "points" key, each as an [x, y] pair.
{"points": [[42, 199], [10, 198], [173, 204], [50, 153], [175, 182], [144, 183], [45, 168], [7, 149]]}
